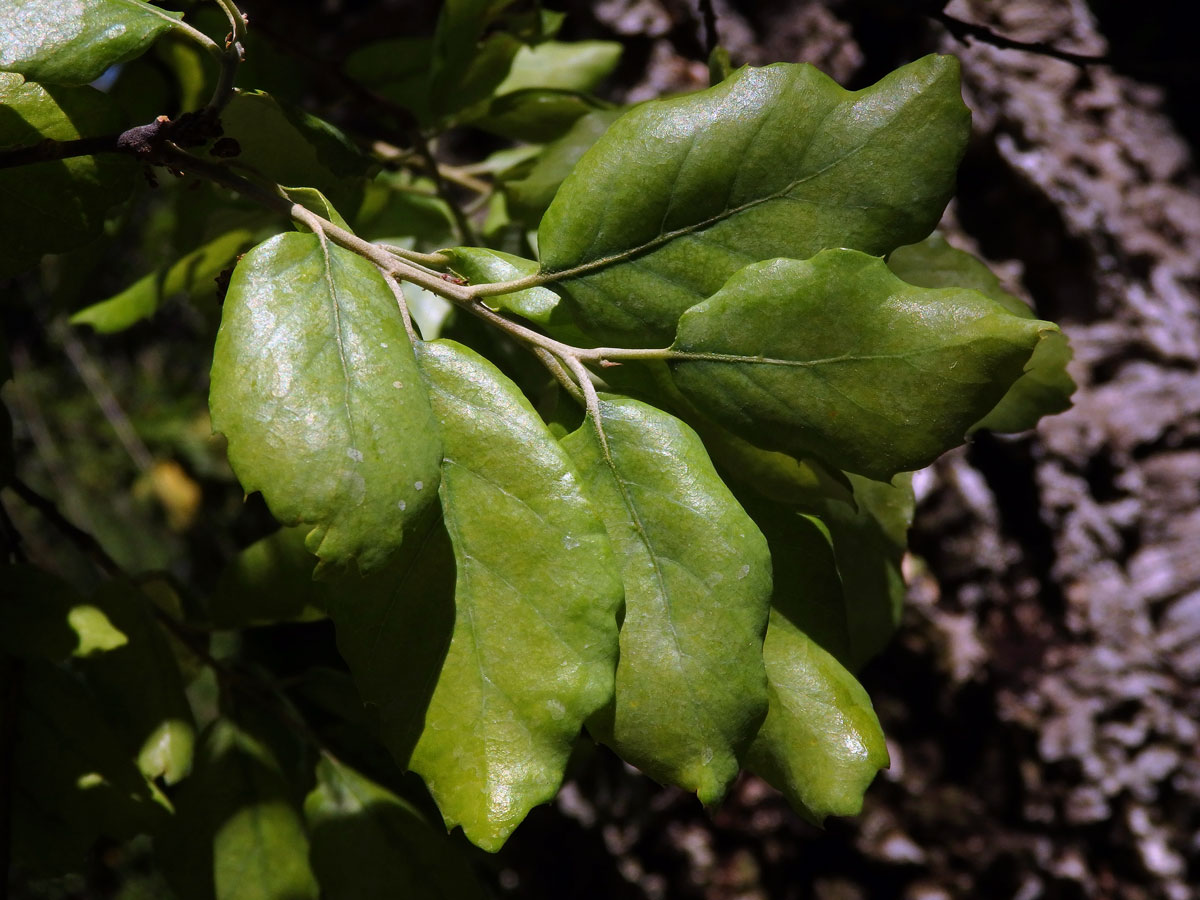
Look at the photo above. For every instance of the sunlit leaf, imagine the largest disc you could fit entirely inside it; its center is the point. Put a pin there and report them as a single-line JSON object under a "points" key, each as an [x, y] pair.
{"points": [[690, 691], [680, 194], [821, 743], [534, 571], [481, 266], [835, 357], [564, 66], [74, 41], [1045, 387], [43, 617], [315, 386]]}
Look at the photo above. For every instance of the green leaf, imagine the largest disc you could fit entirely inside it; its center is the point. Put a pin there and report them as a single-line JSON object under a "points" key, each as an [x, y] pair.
{"points": [[69, 765], [315, 386], [482, 266], [680, 194], [368, 843], [534, 114], [869, 542], [42, 617], [292, 147], [691, 689], [394, 628], [194, 271], [805, 483], [836, 358], [821, 743], [237, 834], [398, 69], [534, 571], [465, 68], [139, 688], [530, 195], [55, 206], [1045, 387], [74, 41], [314, 201], [270, 581], [393, 212], [807, 584], [564, 66]]}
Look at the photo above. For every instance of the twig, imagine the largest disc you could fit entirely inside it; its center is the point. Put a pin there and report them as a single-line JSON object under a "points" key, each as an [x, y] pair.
{"points": [[47, 150], [961, 30], [459, 175]]}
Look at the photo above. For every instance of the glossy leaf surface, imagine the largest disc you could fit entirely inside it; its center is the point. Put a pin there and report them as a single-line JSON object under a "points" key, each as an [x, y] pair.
{"points": [[315, 386], [482, 266], [835, 357], [367, 843], [690, 690], [821, 743], [680, 194], [1045, 387], [535, 634], [55, 206], [74, 41]]}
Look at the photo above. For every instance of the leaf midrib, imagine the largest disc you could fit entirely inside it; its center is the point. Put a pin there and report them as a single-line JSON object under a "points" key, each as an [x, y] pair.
{"points": [[667, 237]]}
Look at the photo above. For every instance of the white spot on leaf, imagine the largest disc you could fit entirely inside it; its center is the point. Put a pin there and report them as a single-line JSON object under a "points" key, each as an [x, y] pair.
{"points": [[419, 485], [355, 455]]}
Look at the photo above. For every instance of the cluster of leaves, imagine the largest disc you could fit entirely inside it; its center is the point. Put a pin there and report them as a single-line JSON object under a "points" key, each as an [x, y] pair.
{"points": [[681, 533]]}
